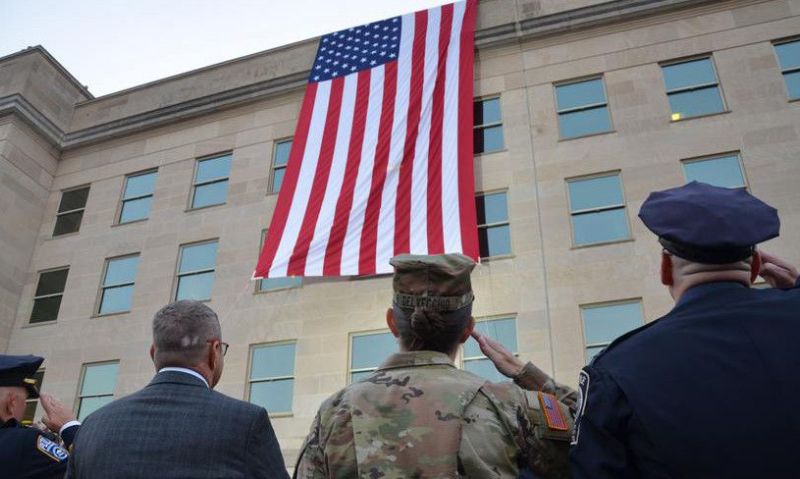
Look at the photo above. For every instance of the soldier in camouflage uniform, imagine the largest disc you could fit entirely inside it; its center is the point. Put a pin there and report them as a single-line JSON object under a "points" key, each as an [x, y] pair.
{"points": [[418, 416]]}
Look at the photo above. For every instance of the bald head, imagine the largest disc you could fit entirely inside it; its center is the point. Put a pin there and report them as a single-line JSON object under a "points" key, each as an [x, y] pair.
{"points": [[12, 403], [181, 333]]}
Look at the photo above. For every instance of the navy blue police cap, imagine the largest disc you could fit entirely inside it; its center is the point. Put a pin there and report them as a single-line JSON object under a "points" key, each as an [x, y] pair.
{"points": [[19, 371], [709, 224]]}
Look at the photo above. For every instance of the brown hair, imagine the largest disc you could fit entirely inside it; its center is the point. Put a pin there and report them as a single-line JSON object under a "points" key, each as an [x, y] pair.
{"points": [[424, 329]]}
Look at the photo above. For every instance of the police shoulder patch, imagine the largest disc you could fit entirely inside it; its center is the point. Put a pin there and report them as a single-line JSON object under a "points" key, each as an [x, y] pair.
{"points": [[51, 449], [583, 396]]}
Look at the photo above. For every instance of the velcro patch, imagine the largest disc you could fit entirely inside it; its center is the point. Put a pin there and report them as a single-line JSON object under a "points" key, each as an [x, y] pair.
{"points": [[553, 413], [51, 449]]}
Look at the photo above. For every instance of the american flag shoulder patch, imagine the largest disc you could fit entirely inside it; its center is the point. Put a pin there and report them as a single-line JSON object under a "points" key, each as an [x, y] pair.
{"points": [[553, 414]]}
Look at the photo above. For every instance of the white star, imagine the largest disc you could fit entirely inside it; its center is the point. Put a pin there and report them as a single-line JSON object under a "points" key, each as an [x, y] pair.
{"points": [[394, 38], [325, 40], [328, 60], [316, 78], [336, 63], [383, 46], [394, 20], [373, 62], [358, 31], [347, 56], [352, 69], [385, 37], [376, 36], [394, 29], [383, 54], [363, 60], [392, 55], [346, 65], [377, 27], [374, 51], [338, 54], [358, 40], [385, 28], [327, 70], [322, 49], [355, 48], [349, 39], [334, 74], [318, 67]]}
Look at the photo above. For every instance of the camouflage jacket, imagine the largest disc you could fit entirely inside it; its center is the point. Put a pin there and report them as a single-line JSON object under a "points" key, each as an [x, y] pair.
{"points": [[418, 416]]}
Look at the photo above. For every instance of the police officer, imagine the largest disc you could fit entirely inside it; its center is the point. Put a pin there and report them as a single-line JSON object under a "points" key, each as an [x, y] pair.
{"points": [[27, 452], [708, 390], [418, 415]]}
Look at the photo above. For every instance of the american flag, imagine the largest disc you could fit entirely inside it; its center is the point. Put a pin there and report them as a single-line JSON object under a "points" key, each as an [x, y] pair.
{"points": [[381, 161]]}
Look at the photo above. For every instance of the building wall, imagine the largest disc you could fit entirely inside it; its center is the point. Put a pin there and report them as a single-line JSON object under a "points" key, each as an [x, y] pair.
{"points": [[543, 283]]}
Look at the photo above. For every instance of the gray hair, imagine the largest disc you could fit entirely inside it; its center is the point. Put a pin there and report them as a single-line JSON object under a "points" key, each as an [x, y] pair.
{"points": [[181, 331]]}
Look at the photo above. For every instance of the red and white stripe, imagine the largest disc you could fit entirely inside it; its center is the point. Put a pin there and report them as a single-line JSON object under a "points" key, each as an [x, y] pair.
{"points": [[381, 162]]}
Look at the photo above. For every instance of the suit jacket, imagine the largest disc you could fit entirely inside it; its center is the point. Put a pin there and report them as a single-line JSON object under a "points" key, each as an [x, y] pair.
{"points": [[176, 427], [707, 391]]}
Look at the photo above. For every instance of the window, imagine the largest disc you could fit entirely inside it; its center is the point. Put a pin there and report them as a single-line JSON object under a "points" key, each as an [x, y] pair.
{"points": [[272, 284], [725, 171], [280, 158], [137, 197], [97, 387], [582, 108], [272, 376], [692, 88], [487, 135], [30, 404], [196, 271], [604, 323], [70, 211], [789, 60], [211, 181], [117, 288], [598, 210], [494, 233], [368, 351], [503, 331], [49, 291]]}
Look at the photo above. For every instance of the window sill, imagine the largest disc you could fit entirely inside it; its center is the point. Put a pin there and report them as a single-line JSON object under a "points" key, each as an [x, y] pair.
{"points": [[106, 315], [500, 257], [602, 243], [485, 153], [267, 291], [681, 120], [280, 415], [794, 100], [190, 210], [272, 193], [41, 323], [590, 135], [129, 222], [65, 235]]}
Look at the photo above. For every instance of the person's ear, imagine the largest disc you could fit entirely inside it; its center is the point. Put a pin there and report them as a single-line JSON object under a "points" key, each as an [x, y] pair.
{"points": [[467, 331], [666, 270], [214, 354], [755, 266], [153, 352], [390, 322]]}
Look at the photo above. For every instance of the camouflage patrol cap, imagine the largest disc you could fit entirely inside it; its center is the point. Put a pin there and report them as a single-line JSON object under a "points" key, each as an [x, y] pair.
{"points": [[435, 282]]}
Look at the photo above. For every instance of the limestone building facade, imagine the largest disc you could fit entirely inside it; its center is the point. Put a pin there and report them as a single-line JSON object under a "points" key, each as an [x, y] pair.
{"points": [[113, 206]]}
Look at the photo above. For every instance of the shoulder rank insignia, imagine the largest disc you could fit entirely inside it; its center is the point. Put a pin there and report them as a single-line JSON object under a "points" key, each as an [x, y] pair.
{"points": [[552, 412], [51, 449]]}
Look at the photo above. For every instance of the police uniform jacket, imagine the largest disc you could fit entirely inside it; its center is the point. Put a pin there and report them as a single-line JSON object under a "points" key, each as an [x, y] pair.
{"points": [[26, 452], [707, 391]]}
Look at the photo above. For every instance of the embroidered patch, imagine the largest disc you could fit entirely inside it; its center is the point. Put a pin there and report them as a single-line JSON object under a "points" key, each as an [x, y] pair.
{"points": [[552, 412], [583, 396], [51, 449]]}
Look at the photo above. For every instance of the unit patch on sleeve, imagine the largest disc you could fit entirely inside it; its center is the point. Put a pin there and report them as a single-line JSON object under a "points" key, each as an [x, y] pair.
{"points": [[51, 449], [583, 396], [552, 412]]}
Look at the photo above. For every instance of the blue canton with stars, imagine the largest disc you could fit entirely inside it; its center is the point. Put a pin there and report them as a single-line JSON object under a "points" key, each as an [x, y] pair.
{"points": [[355, 49]]}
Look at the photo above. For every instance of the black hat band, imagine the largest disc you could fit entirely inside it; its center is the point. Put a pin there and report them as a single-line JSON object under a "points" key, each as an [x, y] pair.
{"points": [[707, 256]]}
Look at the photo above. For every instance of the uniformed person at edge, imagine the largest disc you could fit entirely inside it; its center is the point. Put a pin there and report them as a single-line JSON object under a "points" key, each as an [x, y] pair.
{"points": [[707, 391], [419, 416], [28, 452]]}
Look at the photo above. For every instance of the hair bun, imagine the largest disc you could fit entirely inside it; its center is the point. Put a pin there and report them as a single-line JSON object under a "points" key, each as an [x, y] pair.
{"points": [[426, 323]]}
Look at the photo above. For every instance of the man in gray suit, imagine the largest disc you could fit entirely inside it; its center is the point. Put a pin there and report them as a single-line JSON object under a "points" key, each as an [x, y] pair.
{"points": [[177, 426]]}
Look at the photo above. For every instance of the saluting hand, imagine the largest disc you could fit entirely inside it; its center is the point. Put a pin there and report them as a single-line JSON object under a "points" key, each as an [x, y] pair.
{"points": [[56, 414], [777, 272], [505, 361]]}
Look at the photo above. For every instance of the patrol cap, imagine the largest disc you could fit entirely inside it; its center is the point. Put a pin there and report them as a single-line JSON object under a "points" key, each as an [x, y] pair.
{"points": [[709, 224], [435, 282], [19, 371]]}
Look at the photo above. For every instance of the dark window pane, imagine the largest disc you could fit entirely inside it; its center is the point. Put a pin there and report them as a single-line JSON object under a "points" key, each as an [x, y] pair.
{"points": [[793, 84], [696, 103], [592, 352], [282, 151], [45, 309], [52, 282], [584, 122], [272, 361], [198, 257], [270, 284], [210, 194], [99, 379], [39, 377], [503, 331], [595, 193], [599, 227], [195, 286], [725, 172], [213, 168], [692, 73], [494, 241], [370, 350], [487, 111], [140, 185], [491, 208], [604, 324], [788, 55], [486, 140], [274, 396], [73, 200], [580, 94], [116, 299], [277, 179], [485, 369], [133, 210], [68, 223], [90, 405], [121, 270]]}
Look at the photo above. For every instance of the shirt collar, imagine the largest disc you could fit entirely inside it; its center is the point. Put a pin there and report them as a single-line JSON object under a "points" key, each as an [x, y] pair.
{"points": [[186, 371], [416, 358]]}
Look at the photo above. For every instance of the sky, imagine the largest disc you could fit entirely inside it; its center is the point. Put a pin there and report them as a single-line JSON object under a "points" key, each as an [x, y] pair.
{"points": [[111, 45]]}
